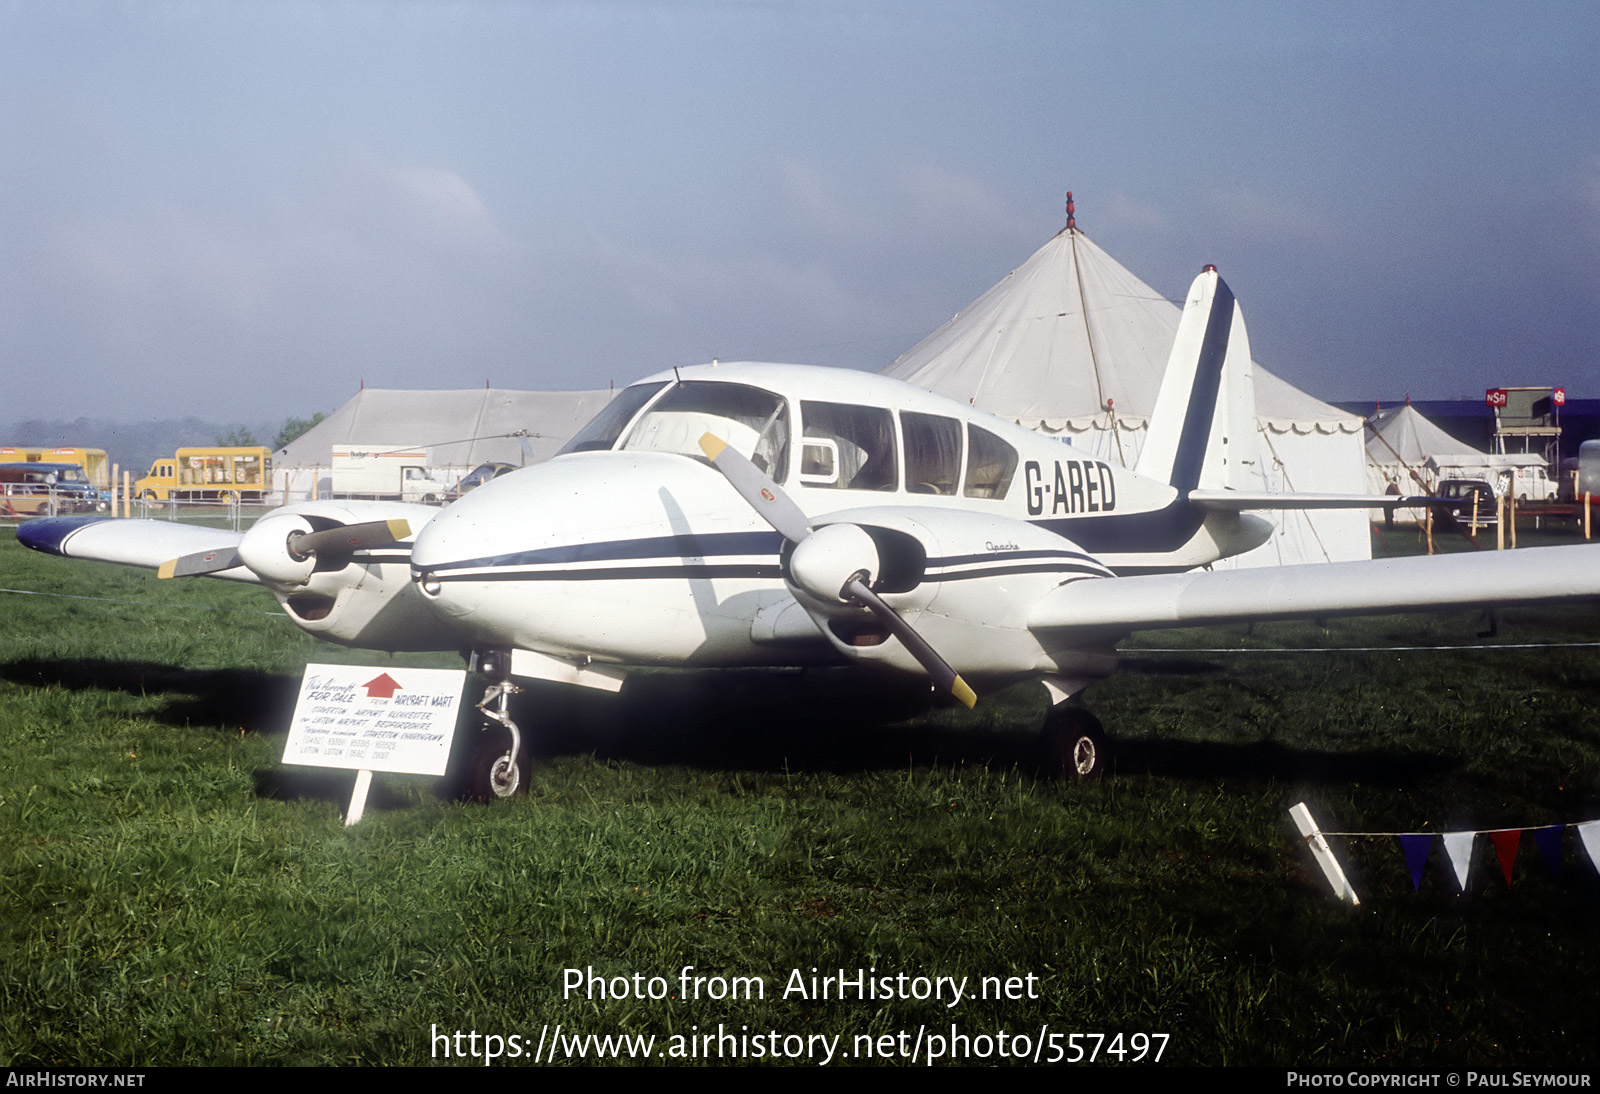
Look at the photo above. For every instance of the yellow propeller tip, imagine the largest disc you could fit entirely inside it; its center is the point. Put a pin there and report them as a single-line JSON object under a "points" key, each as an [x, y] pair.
{"points": [[962, 692], [399, 529], [167, 568], [712, 446]]}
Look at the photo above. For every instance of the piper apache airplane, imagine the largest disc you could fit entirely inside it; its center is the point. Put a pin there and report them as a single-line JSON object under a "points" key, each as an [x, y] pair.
{"points": [[755, 514]]}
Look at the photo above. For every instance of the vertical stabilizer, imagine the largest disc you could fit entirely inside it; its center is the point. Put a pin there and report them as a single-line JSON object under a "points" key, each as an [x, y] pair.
{"points": [[1202, 431]]}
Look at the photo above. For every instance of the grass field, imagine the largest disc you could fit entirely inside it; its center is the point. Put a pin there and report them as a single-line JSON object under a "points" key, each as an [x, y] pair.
{"points": [[171, 894]]}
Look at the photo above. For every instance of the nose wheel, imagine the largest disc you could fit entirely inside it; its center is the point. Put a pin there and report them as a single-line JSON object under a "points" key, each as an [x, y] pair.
{"points": [[498, 771]]}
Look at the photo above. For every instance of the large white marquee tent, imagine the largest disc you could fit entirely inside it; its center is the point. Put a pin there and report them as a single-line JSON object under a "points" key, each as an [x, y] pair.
{"points": [[1073, 344]]}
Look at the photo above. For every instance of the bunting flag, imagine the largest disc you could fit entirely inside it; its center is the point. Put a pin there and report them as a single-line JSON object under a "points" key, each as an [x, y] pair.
{"points": [[1458, 849], [1505, 848], [1415, 845], [1589, 836], [1548, 841]]}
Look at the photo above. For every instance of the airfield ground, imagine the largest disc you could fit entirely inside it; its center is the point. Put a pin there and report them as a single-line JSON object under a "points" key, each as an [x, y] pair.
{"points": [[171, 894]]}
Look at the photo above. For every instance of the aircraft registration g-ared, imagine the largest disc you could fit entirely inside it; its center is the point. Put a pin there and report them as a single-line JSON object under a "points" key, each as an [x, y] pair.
{"points": [[754, 514]]}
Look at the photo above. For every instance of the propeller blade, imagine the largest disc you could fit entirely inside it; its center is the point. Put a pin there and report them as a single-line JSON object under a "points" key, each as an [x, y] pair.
{"points": [[351, 537], [201, 562], [944, 677], [753, 484]]}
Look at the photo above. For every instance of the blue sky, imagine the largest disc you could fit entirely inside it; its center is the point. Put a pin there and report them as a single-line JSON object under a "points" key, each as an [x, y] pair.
{"points": [[244, 210]]}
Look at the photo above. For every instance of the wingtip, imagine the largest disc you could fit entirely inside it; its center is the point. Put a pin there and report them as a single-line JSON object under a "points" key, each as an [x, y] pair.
{"points": [[712, 446]]}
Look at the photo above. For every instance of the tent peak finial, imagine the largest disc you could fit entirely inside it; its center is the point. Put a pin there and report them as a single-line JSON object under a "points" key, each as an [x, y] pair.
{"points": [[1072, 220]]}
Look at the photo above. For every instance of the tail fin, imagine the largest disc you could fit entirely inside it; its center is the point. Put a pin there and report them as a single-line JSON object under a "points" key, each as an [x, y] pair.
{"points": [[1202, 431]]}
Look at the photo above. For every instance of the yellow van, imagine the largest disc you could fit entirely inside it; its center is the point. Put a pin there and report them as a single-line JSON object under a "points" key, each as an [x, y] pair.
{"points": [[209, 474]]}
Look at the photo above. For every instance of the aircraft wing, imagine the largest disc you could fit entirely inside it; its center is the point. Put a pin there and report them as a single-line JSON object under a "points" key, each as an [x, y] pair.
{"points": [[1380, 586], [132, 542], [1240, 500]]}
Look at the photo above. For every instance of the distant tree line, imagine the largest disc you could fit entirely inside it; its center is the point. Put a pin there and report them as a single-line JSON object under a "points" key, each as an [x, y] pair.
{"points": [[294, 427], [244, 437]]}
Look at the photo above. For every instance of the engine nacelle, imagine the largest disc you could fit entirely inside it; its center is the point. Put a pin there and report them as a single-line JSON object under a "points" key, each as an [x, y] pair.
{"points": [[266, 550], [364, 597], [962, 580]]}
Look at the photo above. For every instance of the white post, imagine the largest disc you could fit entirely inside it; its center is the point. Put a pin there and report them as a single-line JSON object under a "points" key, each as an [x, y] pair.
{"points": [[1323, 854], [358, 797]]}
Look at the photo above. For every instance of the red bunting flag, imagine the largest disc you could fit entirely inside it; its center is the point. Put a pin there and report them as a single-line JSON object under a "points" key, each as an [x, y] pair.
{"points": [[1505, 846]]}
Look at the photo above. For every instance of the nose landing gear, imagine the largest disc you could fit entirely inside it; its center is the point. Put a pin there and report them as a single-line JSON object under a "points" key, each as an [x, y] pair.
{"points": [[498, 772]]}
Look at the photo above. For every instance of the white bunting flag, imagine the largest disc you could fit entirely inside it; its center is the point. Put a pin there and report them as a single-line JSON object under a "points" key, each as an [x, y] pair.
{"points": [[1458, 846], [1589, 836]]}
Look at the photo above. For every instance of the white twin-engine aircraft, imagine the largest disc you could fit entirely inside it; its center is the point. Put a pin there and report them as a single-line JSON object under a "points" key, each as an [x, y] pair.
{"points": [[754, 514]]}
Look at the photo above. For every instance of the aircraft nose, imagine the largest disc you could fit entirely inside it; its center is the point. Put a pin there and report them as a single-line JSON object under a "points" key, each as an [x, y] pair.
{"points": [[449, 544]]}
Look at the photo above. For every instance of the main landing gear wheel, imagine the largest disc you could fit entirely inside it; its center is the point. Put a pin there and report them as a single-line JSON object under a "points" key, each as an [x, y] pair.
{"points": [[1075, 744]]}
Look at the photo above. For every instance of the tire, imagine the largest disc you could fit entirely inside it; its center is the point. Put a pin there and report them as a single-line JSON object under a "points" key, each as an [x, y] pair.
{"points": [[490, 776], [1075, 744]]}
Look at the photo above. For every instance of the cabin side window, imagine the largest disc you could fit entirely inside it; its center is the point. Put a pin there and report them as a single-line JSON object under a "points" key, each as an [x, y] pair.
{"points": [[933, 453], [991, 463], [848, 447]]}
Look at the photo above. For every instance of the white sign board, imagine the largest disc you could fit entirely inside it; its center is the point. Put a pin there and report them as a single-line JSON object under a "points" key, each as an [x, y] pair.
{"points": [[375, 719]]}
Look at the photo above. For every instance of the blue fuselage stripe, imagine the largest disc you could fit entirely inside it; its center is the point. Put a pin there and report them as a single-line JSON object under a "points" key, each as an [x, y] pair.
{"points": [[1154, 532], [680, 546]]}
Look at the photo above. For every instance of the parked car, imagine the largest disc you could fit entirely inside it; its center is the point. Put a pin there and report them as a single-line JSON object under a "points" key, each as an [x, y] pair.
{"points": [[478, 476], [1472, 502], [34, 489]]}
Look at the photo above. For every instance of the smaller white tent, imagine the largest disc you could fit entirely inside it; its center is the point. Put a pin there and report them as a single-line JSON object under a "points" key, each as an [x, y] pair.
{"points": [[461, 429], [1406, 449]]}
